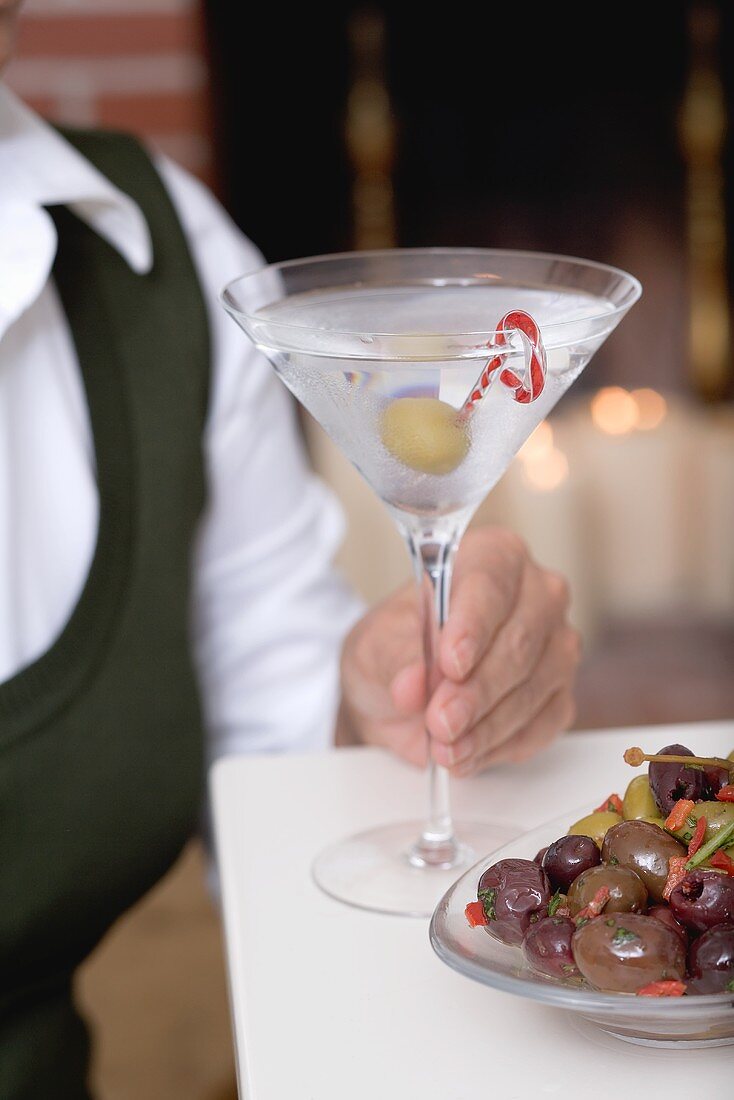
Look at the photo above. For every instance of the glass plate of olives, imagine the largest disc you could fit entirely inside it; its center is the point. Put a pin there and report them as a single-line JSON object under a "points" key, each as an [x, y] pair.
{"points": [[611, 921]]}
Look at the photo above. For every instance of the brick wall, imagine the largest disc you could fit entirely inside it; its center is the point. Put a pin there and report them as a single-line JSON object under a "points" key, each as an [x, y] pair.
{"points": [[130, 64]]}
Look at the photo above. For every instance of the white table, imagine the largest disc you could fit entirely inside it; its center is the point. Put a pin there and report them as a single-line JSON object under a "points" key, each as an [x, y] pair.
{"points": [[331, 1003]]}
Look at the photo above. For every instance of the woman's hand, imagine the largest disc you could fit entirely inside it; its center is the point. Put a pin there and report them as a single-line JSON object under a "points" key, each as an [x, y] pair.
{"points": [[507, 660]]}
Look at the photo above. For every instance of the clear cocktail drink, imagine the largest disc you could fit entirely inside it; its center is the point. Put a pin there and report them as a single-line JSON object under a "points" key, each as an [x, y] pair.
{"points": [[389, 352]]}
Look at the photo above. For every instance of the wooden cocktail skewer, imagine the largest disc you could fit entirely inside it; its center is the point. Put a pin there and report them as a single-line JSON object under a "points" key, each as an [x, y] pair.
{"points": [[635, 757]]}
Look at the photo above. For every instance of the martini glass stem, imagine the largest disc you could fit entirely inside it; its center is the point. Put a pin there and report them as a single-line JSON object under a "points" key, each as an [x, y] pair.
{"points": [[433, 554]]}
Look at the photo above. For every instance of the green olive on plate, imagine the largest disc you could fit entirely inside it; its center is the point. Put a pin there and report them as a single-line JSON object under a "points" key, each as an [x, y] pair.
{"points": [[645, 849], [595, 825], [638, 802], [717, 814], [627, 891]]}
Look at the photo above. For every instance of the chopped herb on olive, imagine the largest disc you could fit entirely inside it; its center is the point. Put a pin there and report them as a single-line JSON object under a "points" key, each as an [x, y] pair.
{"points": [[623, 935], [487, 898], [557, 899]]}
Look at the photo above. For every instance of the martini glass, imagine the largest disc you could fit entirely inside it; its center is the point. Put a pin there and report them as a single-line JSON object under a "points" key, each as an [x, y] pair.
{"points": [[384, 349]]}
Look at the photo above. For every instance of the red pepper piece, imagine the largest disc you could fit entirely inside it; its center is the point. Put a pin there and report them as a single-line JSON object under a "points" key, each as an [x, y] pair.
{"points": [[677, 817], [595, 906], [612, 804], [662, 989], [676, 873], [697, 838], [726, 794], [475, 914], [723, 862]]}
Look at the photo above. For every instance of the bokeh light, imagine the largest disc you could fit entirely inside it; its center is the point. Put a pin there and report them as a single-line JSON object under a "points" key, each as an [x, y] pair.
{"points": [[538, 443], [652, 408], [547, 472], [614, 411]]}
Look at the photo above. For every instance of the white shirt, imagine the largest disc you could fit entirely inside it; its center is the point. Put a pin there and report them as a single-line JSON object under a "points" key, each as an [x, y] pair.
{"points": [[269, 614]]}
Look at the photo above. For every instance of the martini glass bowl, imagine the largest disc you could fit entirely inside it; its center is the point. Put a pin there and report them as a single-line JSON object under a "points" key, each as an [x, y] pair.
{"points": [[385, 349]]}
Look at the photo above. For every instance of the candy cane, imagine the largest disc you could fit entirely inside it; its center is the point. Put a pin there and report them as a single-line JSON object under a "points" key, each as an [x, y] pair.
{"points": [[527, 388]]}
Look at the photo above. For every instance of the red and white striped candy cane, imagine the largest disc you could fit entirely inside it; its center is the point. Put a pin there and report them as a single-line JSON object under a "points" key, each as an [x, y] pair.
{"points": [[527, 388]]}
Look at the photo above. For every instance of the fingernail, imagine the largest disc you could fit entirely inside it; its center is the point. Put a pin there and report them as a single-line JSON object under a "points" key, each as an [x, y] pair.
{"points": [[455, 716], [464, 651]]}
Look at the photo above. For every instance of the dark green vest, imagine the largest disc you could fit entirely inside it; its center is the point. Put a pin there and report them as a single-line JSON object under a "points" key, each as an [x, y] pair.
{"points": [[100, 739]]}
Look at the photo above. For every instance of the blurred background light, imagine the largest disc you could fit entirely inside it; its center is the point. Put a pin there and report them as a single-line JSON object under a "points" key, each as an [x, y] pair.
{"points": [[614, 411], [652, 409]]}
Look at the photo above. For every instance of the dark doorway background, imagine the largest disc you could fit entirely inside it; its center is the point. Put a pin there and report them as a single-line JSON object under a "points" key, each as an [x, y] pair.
{"points": [[552, 130]]}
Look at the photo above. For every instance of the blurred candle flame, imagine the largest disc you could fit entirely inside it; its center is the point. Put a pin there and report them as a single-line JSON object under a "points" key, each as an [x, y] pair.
{"points": [[546, 473], [544, 466], [538, 443], [652, 408], [614, 411]]}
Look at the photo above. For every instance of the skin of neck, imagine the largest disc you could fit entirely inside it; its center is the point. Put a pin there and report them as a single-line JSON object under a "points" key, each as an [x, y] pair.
{"points": [[9, 12]]}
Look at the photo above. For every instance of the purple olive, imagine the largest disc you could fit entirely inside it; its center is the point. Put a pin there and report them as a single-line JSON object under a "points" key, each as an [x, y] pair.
{"points": [[702, 900], [547, 947], [711, 961], [671, 782], [566, 858], [539, 858], [515, 894], [716, 778], [663, 913]]}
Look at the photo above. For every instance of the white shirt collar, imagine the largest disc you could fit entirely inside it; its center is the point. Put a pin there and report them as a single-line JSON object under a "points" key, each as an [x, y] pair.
{"points": [[38, 165], [38, 168]]}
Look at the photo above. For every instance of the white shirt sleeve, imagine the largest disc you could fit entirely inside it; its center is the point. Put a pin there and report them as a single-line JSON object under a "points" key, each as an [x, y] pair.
{"points": [[269, 611]]}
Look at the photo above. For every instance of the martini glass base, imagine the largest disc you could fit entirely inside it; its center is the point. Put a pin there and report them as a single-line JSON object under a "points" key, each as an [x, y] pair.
{"points": [[383, 870]]}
